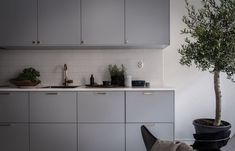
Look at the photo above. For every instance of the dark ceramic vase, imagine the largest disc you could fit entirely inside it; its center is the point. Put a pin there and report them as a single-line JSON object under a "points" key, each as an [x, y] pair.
{"points": [[208, 137], [118, 80]]}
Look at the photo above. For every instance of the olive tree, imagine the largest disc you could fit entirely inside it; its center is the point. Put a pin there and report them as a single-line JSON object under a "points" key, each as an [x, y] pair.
{"points": [[210, 41]]}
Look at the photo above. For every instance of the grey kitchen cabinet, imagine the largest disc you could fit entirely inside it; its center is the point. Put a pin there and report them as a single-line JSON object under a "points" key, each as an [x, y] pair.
{"points": [[14, 137], [53, 137], [148, 22], [14, 107], [134, 140], [18, 22], [101, 121], [101, 107], [103, 22], [101, 137], [53, 107], [150, 106], [59, 22]]}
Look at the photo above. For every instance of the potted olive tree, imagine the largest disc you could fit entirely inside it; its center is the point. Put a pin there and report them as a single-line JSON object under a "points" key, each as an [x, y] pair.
{"points": [[210, 45]]}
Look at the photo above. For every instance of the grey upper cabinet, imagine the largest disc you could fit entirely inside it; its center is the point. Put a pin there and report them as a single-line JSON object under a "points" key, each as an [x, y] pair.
{"points": [[147, 22], [14, 107], [59, 22], [103, 22], [52, 107], [18, 25]]}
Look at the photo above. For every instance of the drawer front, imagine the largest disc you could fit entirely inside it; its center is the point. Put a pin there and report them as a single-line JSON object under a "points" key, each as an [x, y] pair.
{"points": [[14, 107], [134, 140], [101, 107], [14, 137], [156, 106], [53, 137], [101, 137], [53, 107]]}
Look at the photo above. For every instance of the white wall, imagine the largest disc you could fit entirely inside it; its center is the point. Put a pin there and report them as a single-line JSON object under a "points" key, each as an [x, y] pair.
{"points": [[81, 64], [194, 89]]}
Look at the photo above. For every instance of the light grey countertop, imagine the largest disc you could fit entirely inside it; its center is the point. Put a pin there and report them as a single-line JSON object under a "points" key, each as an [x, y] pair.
{"points": [[82, 88]]}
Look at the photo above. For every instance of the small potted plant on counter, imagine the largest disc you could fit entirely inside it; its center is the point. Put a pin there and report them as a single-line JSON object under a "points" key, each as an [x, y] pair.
{"points": [[117, 75], [211, 47], [28, 77]]}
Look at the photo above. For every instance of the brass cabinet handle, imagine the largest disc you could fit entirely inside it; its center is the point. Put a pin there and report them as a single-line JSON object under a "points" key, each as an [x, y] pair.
{"points": [[101, 93], [5, 124], [52, 93], [148, 93], [5, 93]]}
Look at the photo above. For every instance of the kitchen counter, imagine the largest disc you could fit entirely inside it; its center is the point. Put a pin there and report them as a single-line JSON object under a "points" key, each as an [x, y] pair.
{"points": [[82, 88]]}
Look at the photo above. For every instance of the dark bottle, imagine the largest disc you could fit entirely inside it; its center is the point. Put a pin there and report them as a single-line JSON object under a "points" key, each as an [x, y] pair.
{"points": [[92, 80]]}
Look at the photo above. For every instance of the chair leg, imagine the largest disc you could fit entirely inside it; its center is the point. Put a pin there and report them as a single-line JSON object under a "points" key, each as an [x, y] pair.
{"points": [[148, 138]]}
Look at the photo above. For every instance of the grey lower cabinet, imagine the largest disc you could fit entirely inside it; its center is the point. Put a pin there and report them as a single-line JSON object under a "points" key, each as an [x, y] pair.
{"points": [[103, 22], [148, 22], [53, 137], [53, 123], [155, 109], [101, 121], [18, 22], [14, 137], [14, 107], [14, 127]]}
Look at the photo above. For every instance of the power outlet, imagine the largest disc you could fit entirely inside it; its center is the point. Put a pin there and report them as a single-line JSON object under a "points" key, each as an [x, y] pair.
{"points": [[140, 64]]}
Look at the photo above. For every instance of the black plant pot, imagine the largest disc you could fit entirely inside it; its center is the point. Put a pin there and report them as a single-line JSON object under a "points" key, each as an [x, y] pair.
{"points": [[118, 80], [209, 137]]}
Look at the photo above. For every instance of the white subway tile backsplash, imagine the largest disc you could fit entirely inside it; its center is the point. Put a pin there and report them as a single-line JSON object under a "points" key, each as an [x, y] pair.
{"points": [[81, 64]]}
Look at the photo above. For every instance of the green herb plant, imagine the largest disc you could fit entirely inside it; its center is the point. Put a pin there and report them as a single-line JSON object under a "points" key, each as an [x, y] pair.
{"points": [[210, 43], [114, 70], [29, 74]]}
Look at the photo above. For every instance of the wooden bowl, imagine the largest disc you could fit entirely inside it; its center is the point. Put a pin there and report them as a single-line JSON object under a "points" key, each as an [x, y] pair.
{"points": [[25, 82]]}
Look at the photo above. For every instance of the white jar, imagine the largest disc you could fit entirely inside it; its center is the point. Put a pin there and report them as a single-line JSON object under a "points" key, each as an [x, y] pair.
{"points": [[128, 81]]}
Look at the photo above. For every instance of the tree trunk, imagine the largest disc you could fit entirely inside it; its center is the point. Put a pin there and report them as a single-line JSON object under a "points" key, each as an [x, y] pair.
{"points": [[217, 98]]}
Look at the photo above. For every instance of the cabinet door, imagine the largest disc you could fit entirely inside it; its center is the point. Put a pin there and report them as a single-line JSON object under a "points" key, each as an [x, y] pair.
{"points": [[134, 140], [153, 106], [18, 22], [59, 22], [14, 107], [101, 137], [101, 107], [147, 22], [103, 22], [53, 137], [14, 137], [53, 107]]}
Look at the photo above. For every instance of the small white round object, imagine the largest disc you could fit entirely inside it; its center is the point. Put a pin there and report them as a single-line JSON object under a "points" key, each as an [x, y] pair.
{"points": [[128, 81]]}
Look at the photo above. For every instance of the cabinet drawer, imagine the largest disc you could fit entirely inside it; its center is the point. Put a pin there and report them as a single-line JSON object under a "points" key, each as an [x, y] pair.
{"points": [[101, 137], [101, 107], [14, 107], [134, 140], [14, 137], [156, 106], [53, 107], [53, 137]]}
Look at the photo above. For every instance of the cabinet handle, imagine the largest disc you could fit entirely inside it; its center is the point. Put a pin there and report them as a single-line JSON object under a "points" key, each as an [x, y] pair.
{"points": [[34, 42], [5, 124], [148, 93], [101, 93], [5, 93], [82, 42], [150, 125], [52, 93], [38, 42]]}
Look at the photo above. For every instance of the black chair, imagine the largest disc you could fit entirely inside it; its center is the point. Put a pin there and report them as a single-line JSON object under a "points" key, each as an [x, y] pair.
{"points": [[148, 138]]}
